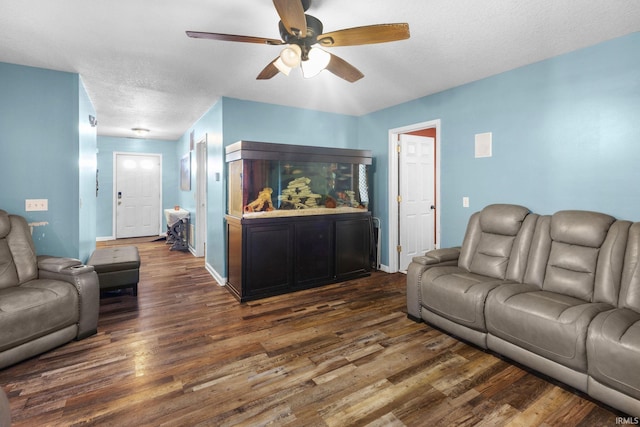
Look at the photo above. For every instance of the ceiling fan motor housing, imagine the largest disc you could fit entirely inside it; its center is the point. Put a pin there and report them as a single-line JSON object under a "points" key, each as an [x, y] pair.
{"points": [[314, 29]]}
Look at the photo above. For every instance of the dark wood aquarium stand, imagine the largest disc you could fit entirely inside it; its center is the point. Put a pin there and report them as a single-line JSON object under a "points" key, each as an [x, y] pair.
{"points": [[273, 256]]}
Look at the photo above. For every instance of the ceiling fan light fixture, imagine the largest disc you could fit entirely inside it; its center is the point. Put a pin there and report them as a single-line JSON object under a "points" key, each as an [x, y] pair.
{"points": [[282, 67], [291, 55], [318, 61]]}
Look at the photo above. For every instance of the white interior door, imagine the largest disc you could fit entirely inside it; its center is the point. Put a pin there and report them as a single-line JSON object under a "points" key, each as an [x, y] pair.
{"points": [[201, 198], [137, 195], [416, 187]]}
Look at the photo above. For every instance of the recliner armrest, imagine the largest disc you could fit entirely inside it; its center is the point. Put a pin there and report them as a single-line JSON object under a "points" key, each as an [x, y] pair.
{"points": [[66, 266], [84, 279], [437, 256], [420, 264]]}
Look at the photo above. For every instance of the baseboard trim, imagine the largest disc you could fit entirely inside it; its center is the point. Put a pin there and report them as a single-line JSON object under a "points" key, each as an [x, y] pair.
{"points": [[218, 277], [385, 268]]}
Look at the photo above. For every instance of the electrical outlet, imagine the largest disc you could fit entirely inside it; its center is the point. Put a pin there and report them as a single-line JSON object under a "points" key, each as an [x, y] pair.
{"points": [[465, 202], [36, 205]]}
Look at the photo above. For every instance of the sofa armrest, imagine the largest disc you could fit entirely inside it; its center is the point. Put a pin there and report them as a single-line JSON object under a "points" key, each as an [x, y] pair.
{"points": [[420, 264], [85, 280], [437, 256], [66, 266]]}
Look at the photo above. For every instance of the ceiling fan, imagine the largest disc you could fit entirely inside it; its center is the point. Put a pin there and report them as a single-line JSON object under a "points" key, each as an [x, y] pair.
{"points": [[302, 34]]}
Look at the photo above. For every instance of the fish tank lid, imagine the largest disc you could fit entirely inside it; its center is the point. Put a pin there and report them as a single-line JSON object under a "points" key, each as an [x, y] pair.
{"points": [[253, 150]]}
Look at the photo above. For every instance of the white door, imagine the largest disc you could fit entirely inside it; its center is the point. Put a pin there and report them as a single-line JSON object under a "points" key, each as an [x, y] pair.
{"points": [[201, 198], [416, 187], [137, 193]]}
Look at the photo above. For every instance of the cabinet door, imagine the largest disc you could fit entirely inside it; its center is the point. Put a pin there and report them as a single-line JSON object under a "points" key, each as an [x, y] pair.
{"points": [[313, 252], [269, 257], [353, 244]]}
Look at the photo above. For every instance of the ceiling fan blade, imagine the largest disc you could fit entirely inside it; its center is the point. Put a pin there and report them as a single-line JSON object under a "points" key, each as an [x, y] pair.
{"points": [[369, 34], [269, 71], [292, 16], [343, 69], [233, 38]]}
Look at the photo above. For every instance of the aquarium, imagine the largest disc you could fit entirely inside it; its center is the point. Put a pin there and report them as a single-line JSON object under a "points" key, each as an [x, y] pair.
{"points": [[267, 179]]}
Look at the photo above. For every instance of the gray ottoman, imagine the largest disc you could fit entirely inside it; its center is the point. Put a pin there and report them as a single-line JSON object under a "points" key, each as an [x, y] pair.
{"points": [[117, 267]]}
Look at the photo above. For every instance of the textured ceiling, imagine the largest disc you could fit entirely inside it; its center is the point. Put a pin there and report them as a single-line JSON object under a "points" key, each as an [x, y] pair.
{"points": [[141, 70]]}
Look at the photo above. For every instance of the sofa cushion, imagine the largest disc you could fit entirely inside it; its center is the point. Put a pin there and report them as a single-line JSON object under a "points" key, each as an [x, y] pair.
{"points": [[577, 237], [583, 228], [571, 270], [630, 284], [22, 249], [490, 239], [35, 309], [457, 295], [546, 323], [592, 274], [613, 350], [5, 224], [8, 273], [492, 255]]}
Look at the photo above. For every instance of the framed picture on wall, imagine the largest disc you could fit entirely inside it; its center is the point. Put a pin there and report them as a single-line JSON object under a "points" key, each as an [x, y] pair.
{"points": [[185, 172]]}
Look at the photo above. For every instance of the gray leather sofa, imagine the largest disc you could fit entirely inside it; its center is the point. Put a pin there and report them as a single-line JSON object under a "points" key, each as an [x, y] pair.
{"points": [[558, 293], [44, 301]]}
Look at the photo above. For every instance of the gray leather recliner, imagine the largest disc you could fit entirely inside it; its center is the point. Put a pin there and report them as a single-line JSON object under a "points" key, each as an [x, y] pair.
{"points": [[613, 342], [493, 253], [568, 304], [573, 273], [44, 301]]}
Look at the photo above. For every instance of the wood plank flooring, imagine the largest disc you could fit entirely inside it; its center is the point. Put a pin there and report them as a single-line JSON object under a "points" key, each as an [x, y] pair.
{"points": [[186, 353]]}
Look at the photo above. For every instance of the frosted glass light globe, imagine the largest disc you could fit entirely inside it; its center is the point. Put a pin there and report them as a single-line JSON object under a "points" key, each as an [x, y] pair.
{"points": [[291, 55]]}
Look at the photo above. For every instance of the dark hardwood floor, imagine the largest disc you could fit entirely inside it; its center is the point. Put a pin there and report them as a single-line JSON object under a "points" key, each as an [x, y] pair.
{"points": [[185, 353]]}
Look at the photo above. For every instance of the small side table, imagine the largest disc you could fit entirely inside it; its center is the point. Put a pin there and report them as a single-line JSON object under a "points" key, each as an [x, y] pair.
{"points": [[177, 229]]}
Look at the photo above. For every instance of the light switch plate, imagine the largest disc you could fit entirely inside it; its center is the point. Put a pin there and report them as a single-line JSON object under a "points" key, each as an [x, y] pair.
{"points": [[36, 205]]}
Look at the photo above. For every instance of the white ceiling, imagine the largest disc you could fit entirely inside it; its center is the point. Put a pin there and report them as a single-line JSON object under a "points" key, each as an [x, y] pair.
{"points": [[141, 70]]}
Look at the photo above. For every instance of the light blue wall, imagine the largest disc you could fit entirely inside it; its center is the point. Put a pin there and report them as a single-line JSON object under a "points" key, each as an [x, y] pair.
{"points": [[107, 146], [565, 136], [87, 183], [254, 121], [210, 124], [39, 136]]}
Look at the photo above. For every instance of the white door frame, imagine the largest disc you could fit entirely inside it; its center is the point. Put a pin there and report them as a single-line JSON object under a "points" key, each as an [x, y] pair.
{"points": [[114, 224], [393, 241], [201, 196]]}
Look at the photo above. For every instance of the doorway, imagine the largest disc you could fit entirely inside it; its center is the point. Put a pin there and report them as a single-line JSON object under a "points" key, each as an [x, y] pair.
{"points": [[200, 244], [414, 192], [137, 195]]}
